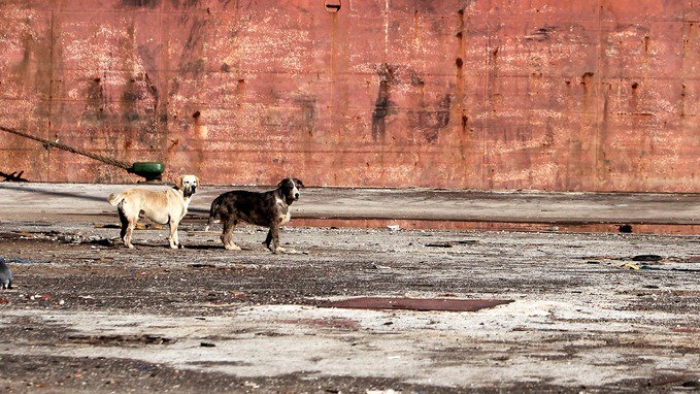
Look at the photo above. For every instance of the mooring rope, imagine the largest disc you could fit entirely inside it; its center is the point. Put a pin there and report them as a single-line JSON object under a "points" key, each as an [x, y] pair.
{"points": [[106, 160]]}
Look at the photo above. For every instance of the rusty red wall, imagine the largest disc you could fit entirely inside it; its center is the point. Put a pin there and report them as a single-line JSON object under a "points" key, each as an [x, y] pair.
{"points": [[484, 94]]}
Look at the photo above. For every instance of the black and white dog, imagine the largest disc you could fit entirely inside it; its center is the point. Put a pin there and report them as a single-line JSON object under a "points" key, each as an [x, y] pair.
{"points": [[268, 209]]}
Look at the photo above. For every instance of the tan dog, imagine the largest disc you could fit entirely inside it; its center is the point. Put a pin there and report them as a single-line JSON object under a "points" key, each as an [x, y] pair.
{"points": [[162, 206]]}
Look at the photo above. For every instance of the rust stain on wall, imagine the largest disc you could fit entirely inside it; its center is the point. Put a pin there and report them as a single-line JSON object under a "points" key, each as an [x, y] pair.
{"points": [[567, 95]]}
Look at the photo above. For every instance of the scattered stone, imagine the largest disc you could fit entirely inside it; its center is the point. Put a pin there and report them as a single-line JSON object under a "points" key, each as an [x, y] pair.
{"points": [[439, 245], [691, 383], [625, 229], [647, 257], [5, 275]]}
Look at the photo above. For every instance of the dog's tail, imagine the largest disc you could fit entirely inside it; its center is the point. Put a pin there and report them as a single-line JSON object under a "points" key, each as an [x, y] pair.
{"points": [[115, 199], [213, 213]]}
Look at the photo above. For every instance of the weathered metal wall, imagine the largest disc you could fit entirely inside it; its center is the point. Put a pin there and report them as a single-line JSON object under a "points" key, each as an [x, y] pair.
{"points": [[514, 94]]}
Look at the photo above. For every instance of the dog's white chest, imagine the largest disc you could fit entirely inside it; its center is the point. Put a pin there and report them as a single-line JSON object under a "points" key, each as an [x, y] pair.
{"points": [[284, 214]]}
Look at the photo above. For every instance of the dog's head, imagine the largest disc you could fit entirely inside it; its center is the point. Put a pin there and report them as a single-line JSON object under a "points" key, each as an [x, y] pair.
{"points": [[289, 188], [188, 184]]}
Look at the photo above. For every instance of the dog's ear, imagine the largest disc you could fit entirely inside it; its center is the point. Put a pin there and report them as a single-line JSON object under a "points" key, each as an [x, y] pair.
{"points": [[180, 183], [299, 182], [196, 179]]}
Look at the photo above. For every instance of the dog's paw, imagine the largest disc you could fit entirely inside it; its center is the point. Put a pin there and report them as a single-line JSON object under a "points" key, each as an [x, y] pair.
{"points": [[279, 250], [232, 247]]}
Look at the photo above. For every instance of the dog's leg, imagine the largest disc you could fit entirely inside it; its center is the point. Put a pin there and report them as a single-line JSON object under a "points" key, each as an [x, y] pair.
{"points": [[227, 235], [131, 225], [268, 239], [174, 240], [125, 225], [212, 213], [128, 226], [273, 239], [210, 220]]}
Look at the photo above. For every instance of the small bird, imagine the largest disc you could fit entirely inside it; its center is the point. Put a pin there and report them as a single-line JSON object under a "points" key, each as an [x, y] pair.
{"points": [[5, 275]]}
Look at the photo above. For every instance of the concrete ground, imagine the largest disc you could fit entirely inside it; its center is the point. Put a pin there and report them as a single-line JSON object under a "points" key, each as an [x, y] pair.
{"points": [[29, 200], [585, 311]]}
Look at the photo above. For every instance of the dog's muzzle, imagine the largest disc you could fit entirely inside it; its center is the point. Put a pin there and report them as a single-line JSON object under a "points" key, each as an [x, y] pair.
{"points": [[296, 196]]}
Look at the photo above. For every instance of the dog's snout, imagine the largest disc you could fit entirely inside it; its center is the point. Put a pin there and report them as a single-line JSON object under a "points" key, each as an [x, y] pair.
{"points": [[296, 196]]}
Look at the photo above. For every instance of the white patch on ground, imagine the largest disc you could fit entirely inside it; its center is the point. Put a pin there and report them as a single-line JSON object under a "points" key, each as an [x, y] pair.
{"points": [[468, 349]]}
